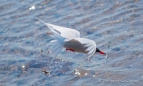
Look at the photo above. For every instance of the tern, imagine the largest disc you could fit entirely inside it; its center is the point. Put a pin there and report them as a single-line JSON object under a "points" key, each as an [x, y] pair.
{"points": [[70, 39]]}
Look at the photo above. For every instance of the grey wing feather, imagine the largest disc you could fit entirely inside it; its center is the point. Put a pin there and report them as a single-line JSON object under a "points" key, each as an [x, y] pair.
{"points": [[89, 44]]}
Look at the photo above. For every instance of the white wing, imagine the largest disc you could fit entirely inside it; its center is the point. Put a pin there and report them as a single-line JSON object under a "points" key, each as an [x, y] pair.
{"points": [[63, 31], [90, 46]]}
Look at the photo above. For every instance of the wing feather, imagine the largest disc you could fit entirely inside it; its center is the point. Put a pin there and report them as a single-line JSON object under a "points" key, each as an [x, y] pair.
{"points": [[91, 50], [90, 46], [63, 31]]}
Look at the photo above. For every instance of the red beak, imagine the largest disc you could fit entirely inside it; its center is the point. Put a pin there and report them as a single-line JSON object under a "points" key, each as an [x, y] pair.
{"points": [[102, 52]]}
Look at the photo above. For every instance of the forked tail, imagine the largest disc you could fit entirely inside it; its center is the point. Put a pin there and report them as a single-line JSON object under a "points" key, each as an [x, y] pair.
{"points": [[57, 36]]}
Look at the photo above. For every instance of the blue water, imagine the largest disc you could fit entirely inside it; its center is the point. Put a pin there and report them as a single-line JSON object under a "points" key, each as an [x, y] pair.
{"points": [[116, 27]]}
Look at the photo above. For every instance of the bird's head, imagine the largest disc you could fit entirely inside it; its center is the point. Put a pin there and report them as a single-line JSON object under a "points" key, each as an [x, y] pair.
{"points": [[97, 50]]}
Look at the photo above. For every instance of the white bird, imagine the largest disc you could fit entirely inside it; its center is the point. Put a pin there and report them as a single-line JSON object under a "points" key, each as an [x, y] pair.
{"points": [[70, 39]]}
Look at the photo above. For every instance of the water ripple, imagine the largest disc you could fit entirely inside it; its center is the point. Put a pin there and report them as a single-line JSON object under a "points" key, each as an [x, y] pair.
{"points": [[116, 26]]}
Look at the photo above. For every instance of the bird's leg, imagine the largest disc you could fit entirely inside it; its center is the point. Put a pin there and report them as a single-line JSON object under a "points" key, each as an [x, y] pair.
{"points": [[70, 50]]}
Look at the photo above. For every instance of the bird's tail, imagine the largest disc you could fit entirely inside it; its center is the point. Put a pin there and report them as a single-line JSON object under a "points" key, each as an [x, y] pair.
{"points": [[59, 40]]}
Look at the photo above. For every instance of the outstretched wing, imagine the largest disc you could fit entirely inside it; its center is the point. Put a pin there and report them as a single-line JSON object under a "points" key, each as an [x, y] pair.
{"points": [[90, 46], [63, 31]]}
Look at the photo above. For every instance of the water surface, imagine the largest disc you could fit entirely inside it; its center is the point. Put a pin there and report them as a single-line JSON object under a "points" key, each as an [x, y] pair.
{"points": [[116, 26]]}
